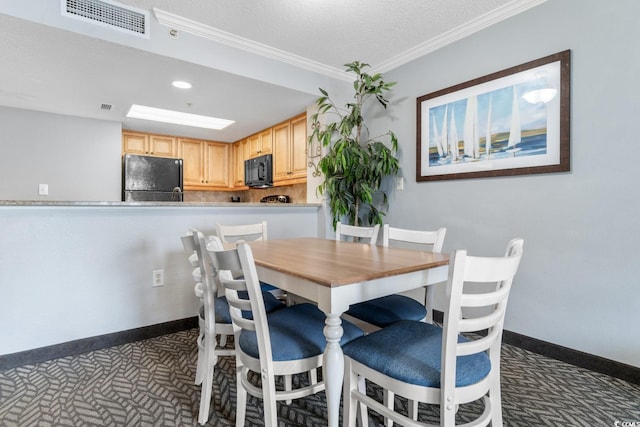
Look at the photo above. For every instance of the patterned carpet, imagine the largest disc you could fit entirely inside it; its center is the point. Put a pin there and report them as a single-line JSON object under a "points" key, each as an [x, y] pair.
{"points": [[150, 383]]}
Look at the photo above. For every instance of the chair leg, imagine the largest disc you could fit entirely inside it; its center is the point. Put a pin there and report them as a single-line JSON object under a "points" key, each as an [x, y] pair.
{"points": [[201, 359], [350, 405], [288, 386], [388, 397], [201, 364], [207, 385], [223, 340], [241, 396], [413, 409], [496, 403], [269, 400]]}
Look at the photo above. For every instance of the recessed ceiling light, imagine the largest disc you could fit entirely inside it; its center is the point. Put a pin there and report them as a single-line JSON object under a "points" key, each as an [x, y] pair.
{"points": [[181, 85], [177, 118]]}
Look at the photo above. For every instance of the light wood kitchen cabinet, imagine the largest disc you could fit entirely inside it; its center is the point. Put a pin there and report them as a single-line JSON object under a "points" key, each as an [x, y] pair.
{"points": [[148, 144], [261, 143], [289, 151], [206, 164], [240, 154], [216, 168]]}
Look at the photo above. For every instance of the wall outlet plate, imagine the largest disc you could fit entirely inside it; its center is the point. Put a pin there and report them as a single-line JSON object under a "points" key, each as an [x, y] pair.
{"points": [[158, 278]]}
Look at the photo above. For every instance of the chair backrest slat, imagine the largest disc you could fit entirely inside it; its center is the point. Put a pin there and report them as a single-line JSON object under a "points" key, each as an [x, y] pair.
{"points": [[435, 239], [353, 232], [245, 232]]}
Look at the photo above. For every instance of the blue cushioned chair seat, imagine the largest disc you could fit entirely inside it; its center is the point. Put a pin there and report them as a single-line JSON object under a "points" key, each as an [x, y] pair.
{"points": [[267, 287], [296, 332], [388, 310], [410, 352], [271, 303], [264, 286]]}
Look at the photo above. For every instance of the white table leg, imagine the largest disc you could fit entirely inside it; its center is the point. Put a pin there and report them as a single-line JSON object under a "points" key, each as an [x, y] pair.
{"points": [[333, 367]]}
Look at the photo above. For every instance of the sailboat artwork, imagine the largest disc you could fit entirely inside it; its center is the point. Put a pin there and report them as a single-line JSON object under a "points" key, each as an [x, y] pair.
{"points": [[493, 126]]}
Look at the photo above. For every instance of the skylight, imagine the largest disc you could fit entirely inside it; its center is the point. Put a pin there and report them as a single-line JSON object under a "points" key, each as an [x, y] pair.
{"points": [[177, 118]]}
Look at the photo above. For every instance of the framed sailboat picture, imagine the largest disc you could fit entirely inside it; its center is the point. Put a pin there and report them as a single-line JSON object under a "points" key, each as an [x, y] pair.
{"points": [[512, 122]]}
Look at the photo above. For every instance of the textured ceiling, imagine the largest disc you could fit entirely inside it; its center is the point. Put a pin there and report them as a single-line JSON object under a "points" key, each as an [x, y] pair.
{"points": [[55, 65], [372, 31]]}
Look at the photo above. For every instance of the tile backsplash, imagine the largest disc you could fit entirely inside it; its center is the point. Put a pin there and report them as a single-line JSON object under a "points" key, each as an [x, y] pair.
{"points": [[297, 194]]}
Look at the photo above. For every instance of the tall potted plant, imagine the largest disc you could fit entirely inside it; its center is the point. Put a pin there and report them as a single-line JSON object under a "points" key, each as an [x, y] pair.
{"points": [[355, 163]]}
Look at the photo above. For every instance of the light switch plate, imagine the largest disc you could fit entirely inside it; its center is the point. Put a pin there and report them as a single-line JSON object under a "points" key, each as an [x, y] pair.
{"points": [[400, 183]]}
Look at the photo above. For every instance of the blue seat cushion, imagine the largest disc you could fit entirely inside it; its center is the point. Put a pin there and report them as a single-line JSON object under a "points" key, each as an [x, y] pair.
{"points": [[388, 310], [271, 303], [410, 352], [267, 287], [296, 332], [263, 285]]}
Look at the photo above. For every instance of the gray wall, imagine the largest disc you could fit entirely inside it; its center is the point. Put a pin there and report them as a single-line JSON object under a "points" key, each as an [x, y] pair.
{"points": [[578, 283], [80, 159]]}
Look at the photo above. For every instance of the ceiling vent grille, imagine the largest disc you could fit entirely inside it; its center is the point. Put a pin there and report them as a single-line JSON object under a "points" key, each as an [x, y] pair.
{"points": [[108, 14]]}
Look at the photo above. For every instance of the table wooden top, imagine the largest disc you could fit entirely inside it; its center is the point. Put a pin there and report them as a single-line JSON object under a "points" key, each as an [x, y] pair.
{"points": [[331, 263]]}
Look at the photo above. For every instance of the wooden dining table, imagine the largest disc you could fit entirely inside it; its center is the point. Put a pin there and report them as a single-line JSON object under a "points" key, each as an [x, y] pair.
{"points": [[337, 274]]}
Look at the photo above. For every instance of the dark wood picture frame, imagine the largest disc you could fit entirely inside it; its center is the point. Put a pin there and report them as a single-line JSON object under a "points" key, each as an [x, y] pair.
{"points": [[520, 137]]}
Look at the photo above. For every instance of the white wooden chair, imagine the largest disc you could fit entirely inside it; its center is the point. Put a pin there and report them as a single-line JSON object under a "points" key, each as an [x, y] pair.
{"points": [[289, 341], [213, 319], [448, 366], [385, 311]]}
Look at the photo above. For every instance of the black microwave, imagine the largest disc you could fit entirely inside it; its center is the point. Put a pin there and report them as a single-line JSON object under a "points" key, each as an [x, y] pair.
{"points": [[258, 172]]}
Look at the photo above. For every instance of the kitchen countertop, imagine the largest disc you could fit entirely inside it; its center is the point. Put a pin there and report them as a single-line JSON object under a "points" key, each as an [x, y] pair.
{"points": [[39, 203]]}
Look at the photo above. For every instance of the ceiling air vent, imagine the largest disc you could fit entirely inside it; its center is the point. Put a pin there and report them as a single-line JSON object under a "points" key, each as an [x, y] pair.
{"points": [[108, 14]]}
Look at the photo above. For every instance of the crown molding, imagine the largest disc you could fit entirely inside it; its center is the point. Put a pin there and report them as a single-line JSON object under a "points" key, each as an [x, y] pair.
{"points": [[183, 24], [458, 33]]}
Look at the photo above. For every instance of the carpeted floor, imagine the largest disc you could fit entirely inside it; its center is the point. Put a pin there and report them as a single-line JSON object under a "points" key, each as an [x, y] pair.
{"points": [[150, 383]]}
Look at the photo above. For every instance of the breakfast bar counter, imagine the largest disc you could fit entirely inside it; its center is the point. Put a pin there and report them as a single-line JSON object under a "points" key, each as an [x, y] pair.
{"points": [[23, 203], [85, 268]]}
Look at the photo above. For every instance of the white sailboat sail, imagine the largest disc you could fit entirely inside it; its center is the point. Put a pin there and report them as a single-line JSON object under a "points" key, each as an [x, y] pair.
{"points": [[471, 137], [487, 144], [453, 137], [444, 139], [515, 133], [436, 135]]}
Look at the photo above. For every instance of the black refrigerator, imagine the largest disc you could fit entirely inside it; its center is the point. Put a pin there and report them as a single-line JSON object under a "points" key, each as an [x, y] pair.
{"points": [[147, 178]]}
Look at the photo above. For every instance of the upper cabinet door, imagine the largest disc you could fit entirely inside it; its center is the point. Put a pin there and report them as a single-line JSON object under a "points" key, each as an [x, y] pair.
{"points": [[162, 146], [281, 151], [266, 141], [238, 162], [299, 147], [148, 144], [290, 151], [192, 153], [135, 143], [217, 164]]}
